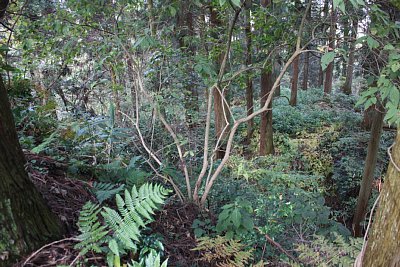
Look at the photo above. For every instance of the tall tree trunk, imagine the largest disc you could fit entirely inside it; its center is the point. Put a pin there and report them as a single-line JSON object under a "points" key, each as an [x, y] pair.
{"points": [[150, 6], [26, 222], [249, 81], [221, 109], [294, 82], [329, 69], [350, 64], [185, 29], [266, 132], [320, 76], [383, 247], [115, 93], [305, 70], [277, 70], [369, 169]]}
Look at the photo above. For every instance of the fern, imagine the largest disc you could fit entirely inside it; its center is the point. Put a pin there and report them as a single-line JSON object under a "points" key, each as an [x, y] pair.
{"points": [[121, 229], [223, 252], [104, 191], [92, 232]]}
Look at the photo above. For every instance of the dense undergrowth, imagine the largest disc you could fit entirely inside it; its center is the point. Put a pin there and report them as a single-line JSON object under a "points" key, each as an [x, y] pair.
{"points": [[303, 197]]}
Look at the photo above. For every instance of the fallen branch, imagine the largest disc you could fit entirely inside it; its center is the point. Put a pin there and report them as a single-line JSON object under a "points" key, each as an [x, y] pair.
{"points": [[49, 245]]}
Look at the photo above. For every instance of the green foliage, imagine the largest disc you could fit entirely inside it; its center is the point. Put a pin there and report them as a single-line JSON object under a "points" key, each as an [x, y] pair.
{"points": [[152, 260], [235, 219], [223, 252], [121, 231], [93, 233], [335, 251], [104, 191]]}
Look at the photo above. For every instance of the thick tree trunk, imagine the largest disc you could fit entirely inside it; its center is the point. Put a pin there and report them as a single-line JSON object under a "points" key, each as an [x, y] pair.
{"points": [[266, 83], [266, 131], [249, 81], [329, 69], [294, 82], [26, 222], [369, 169], [350, 64], [383, 247]]}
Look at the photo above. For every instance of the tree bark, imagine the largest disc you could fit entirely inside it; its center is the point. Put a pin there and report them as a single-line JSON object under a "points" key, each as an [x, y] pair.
{"points": [[383, 247], [369, 169], [305, 71], [266, 83], [249, 81], [329, 69], [150, 6], [294, 82], [221, 109], [266, 131], [26, 222], [185, 29], [350, 64]]}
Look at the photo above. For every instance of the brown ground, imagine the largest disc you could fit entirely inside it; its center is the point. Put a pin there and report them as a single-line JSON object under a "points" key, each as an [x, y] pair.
{"points": [[66, 196]]}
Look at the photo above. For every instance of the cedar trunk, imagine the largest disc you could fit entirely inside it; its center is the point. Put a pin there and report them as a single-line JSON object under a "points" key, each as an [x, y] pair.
{"points": [[305, 71], [329, 69], [369, 169], [266, 132], [221, 109], [383, 247], [249, 81], [350, 65], [26, 222], [294, 82]]}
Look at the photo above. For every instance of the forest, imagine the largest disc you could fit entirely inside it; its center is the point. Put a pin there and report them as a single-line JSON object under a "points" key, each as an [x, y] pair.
{"points": [[154, 133]]}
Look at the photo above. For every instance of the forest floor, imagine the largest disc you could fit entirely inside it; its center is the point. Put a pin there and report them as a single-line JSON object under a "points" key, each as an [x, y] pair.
{"points": [[66, 197]]}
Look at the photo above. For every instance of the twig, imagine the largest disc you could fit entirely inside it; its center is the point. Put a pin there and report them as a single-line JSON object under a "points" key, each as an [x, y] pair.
{"points": [[49, 245], [391, 158], [276, 244], [358, 261]]}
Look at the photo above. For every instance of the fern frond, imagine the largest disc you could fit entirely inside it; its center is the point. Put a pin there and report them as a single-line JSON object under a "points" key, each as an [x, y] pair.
{"points": [[104, 191], [92, 232]]}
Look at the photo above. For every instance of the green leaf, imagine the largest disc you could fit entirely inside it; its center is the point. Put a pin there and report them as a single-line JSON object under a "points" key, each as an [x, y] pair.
{"points": [[113, 247], [339, 4], [222, 2], [172, 11], [326, 59], [372, 43], [236, 2], [236, 217]]}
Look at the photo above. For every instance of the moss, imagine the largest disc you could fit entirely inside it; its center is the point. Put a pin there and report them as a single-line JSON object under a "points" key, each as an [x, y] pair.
{"points": [[7, 243]]}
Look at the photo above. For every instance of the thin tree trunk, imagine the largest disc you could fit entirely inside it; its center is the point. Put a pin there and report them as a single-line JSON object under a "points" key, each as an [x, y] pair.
{"points": [[277, 70], [26, 222], [305, 71], [115, 93], [294, 82], [320, 77], [329, 69], [383, 247], [249, 81], [350, 65], [369, 169], [151, 18], [221, 109], [185, 29]]}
